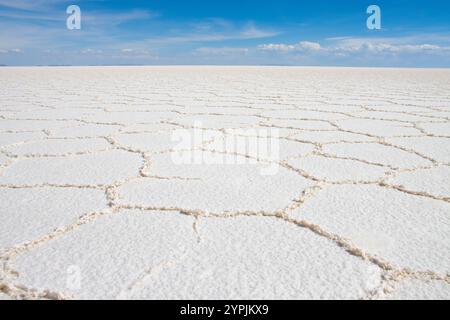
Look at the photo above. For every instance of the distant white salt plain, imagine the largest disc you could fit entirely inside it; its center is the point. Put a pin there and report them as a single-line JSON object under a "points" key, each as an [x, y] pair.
{"points": [[100, 200]]}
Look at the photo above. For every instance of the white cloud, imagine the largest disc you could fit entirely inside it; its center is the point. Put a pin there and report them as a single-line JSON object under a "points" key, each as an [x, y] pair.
{"points": [[223, 51], [388, 48], [307, 45], [345, 46], [15, 50], [134, 51], [251, 32], [91, 51], [301, 46], [276, 47], [401, 45]]}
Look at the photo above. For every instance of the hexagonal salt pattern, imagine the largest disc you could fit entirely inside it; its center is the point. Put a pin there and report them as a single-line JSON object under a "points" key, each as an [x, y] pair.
{"points": [[58, 147], [338, 170], [433, 182], [214, 188], [120, 248], [90, 169], [386, 223], [375, 153], [243, 256], [254, 257], [28, 214], [131, 188]]}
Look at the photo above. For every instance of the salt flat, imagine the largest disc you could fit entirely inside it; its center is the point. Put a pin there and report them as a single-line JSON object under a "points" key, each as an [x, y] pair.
{"points": [[99, 200]]}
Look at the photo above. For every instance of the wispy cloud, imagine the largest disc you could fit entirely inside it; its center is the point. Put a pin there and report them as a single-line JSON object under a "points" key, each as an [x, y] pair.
{"points": [[91, 51], [93, 18], [221, 51], [35, 5], [212, 32], [109, 19]]}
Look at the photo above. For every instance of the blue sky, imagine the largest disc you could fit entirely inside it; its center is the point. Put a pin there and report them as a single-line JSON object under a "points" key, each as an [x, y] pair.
{"points": [[244, 32]]}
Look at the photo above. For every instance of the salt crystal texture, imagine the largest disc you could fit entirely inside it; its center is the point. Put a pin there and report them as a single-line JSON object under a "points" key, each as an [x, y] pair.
{"points": [[95, 204]]}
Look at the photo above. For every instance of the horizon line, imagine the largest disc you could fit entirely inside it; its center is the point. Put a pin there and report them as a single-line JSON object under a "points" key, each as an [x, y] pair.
{"points": [[219, 65]]}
